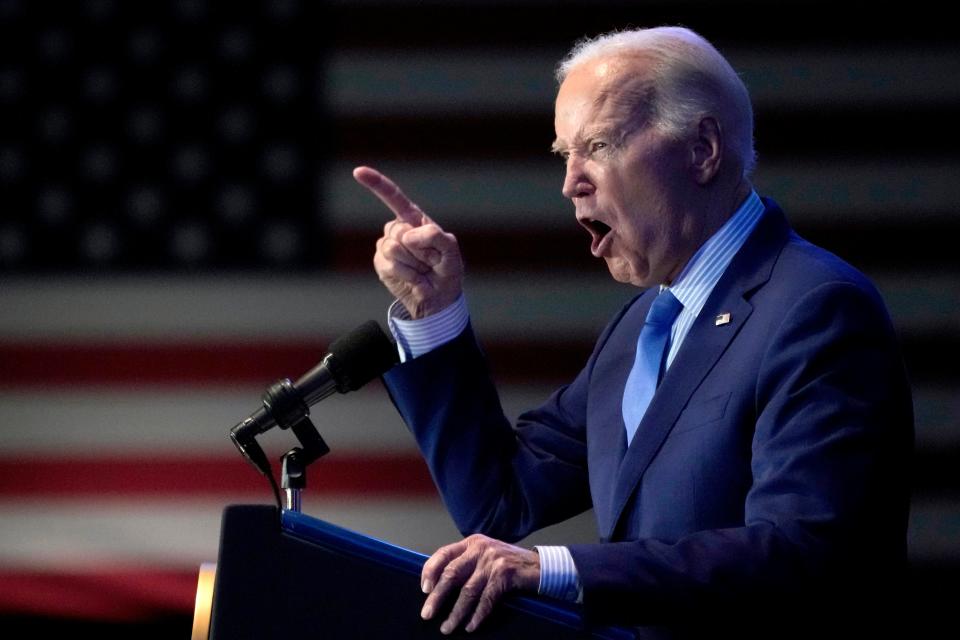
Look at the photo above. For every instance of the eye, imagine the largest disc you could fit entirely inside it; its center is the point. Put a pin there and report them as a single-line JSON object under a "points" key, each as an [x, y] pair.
{"points": [[597, 145]]}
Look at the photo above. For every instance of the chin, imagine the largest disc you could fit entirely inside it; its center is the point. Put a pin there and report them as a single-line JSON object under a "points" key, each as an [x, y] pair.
{"points": [[623, 273]]}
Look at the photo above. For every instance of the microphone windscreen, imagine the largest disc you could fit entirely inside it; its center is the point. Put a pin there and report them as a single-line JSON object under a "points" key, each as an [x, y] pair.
{"points": [[360, 356]]}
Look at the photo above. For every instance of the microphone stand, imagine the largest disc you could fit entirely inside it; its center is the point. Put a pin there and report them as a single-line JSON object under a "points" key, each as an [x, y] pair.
{"points": [[288, 409], [293, 478]]}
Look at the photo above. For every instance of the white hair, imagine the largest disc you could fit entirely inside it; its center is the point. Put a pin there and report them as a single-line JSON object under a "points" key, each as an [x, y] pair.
{"points": [[690, 79]]}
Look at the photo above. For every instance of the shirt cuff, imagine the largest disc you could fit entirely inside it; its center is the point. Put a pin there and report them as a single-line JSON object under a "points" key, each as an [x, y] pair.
{"points": [[558, 575], [417, 337]]}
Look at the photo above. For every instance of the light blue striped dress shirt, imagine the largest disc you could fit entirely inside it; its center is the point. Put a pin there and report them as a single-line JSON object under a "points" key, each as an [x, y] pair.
{"points": [[558, 574]]}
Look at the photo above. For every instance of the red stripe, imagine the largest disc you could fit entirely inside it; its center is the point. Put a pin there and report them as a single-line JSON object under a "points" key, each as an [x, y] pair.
{"points": [[60, 363], [125, 594], [57, 364], [375, 475]]}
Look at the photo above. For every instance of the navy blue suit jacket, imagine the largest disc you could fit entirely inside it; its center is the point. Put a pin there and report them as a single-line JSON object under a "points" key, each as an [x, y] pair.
{"points": [[772, 462]]}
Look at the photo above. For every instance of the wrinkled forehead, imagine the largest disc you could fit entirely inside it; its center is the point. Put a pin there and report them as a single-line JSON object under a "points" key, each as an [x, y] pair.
{"points": [[613, 93], [626, 100]]}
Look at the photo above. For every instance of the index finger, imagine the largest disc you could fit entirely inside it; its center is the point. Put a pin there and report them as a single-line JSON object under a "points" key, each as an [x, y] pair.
{"points": [[390, 194]]}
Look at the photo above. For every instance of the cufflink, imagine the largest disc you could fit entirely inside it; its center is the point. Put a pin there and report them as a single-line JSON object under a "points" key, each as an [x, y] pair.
{"points": [[723, 318]]}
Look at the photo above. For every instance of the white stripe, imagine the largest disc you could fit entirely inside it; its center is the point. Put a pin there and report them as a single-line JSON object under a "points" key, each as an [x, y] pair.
{"points": [[468, 81], [372, 83], [558, 574], [542, 309], [182, 533], [196, 422], [81, 534], [527, 196], [225, 308], [59, 535], [113, 422], [932, 533]]}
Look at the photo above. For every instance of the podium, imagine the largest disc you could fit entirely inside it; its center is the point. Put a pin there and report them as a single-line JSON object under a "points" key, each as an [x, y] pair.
{"points": [[288, 575]]}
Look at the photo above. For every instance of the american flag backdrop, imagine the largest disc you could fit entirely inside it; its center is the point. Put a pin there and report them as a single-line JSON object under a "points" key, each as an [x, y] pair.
{"points": [[179, 229]]}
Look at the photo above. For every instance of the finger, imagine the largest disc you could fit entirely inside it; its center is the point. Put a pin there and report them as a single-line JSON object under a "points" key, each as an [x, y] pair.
{"points": [[396, 229], [436, 563], [491, 594], [393, 251], [432, 245], [393, 238], [400, 278], [390, 194], [470, 593], [456, 572], [453, 576], [404, 275], [389, 227]]}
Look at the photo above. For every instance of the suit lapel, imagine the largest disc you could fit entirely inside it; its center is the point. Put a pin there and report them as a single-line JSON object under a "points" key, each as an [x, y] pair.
{"points": [[608, 440], [701, 350]]}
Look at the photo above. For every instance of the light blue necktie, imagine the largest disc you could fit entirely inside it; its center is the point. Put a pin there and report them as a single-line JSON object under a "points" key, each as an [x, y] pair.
{"points": [[651, 349]]}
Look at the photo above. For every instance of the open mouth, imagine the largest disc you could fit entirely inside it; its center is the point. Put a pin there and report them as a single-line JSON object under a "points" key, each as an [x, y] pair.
{"points": [[599, 232], [598, 228]]}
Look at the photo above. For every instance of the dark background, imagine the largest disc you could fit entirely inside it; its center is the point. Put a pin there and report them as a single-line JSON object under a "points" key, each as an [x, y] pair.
{"points": [[176, 138]]}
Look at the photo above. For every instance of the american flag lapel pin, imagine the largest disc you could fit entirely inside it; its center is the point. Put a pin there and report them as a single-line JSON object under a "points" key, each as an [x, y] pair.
{"points": [[723, 318]]}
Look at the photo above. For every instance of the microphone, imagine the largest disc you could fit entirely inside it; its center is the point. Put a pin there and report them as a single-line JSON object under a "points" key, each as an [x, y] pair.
{"points": [[352, 361]]}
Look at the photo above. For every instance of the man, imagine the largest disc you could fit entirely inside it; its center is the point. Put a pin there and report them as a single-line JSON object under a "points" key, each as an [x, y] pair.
{"points": [[755, 459]]}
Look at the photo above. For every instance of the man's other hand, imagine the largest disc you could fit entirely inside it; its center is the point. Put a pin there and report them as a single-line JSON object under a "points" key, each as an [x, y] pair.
{"points": [[484, 570], [416, 260]]}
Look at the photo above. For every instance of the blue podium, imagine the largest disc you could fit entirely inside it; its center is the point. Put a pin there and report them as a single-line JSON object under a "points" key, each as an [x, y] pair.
{"points": [[288, 575]]}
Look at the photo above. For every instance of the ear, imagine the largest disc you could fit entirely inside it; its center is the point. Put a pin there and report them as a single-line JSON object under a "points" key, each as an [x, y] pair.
{"points": [[706, 151]]}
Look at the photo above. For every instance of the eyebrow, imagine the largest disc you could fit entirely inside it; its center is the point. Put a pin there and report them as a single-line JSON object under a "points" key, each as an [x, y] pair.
{"points": [[611, 132]]}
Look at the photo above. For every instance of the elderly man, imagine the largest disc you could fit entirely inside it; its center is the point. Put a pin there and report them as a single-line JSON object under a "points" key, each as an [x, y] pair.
{"points": [[743, 427]]}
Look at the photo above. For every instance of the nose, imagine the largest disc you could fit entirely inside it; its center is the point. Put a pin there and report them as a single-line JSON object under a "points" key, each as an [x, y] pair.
{"points": [[576, 183]]}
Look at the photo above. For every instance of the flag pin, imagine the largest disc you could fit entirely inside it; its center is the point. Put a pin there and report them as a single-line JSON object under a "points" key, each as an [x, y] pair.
{"points": [[723, 318]]}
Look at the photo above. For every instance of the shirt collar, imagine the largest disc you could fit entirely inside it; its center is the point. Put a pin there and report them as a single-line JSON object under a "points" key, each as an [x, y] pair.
{"points": [[702, 272]]}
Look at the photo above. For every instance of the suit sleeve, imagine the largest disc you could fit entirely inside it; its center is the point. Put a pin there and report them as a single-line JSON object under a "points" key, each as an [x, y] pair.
{"points": [[495, 479], [501, 480], [826, 512]]}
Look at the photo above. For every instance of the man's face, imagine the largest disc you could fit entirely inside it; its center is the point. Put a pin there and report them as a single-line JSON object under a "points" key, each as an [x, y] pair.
{"points": [[626, 179]]}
